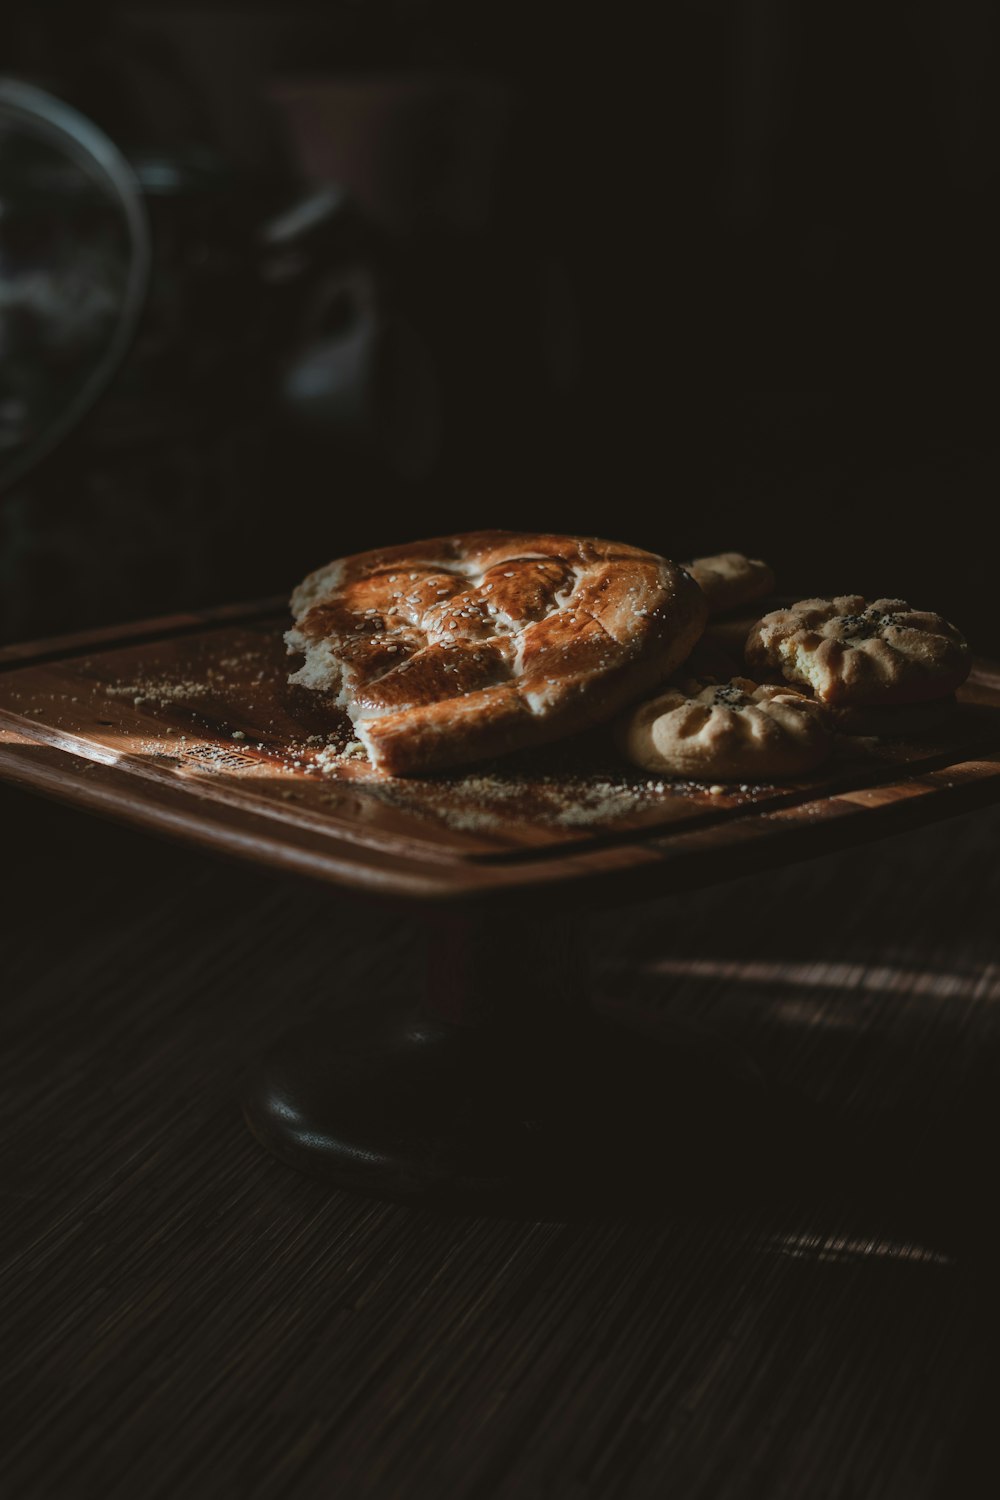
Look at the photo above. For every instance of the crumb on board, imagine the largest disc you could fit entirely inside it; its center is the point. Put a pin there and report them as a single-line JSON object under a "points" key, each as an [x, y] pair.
{"points": [[560, 788], [487, 800]]}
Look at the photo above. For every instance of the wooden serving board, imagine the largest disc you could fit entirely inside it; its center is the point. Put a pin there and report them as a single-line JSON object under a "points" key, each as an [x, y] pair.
{"points": [[189, 726]]}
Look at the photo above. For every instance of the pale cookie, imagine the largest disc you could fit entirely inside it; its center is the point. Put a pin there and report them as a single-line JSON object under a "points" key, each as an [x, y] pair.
{"points": [[728, 579], [726, 731], [851, 652]]}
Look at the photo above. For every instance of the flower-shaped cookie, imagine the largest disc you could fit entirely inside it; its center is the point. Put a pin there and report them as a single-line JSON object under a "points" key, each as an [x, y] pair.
{"points": [[851, 652], [726, 731], [729, 579]]}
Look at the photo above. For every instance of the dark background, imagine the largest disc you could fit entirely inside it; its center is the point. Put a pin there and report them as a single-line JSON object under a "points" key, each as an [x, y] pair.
{"points": [[729, 282]]}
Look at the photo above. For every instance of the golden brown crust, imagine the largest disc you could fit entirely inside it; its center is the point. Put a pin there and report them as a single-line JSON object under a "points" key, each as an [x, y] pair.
{"points": [[728, 579], [457, 648], [851, 652], [734, 730]]}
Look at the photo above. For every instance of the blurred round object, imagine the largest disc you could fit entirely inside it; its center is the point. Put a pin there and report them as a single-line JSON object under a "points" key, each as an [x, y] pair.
{"points": [[74, 270]]}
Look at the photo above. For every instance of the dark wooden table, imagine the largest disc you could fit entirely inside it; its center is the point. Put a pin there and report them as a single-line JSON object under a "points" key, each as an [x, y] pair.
{"points": [[182, 1315]]}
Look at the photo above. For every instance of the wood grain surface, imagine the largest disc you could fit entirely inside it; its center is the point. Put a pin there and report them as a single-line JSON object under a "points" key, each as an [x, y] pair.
{"points": [[180, 1315], [191, 726]]}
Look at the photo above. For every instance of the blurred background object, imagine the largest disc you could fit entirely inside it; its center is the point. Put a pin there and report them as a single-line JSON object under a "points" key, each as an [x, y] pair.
{"points": [[419, 267], [74, 269]]}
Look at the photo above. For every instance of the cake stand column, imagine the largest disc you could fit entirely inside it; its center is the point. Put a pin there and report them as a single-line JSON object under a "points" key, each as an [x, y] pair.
{"points": [[499, 1087]]}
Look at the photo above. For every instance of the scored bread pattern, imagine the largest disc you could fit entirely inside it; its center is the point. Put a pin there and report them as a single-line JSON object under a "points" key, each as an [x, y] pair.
{"points": [[447, 650]]}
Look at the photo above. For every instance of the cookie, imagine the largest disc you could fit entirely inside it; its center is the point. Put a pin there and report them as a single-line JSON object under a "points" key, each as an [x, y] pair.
{"points": [[728, 579], [850, 652], [735, 730]]}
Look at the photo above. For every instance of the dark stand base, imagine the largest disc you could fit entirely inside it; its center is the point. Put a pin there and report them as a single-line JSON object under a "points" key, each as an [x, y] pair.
{"points": [[430, 1110], [522, 1101]]}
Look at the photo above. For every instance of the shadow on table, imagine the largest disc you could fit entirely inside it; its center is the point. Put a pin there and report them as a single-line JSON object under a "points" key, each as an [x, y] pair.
{"points": [[862, 1101], [866, 1139]]}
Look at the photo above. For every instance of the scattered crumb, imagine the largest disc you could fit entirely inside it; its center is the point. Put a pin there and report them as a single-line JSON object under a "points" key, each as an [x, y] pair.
{"points": [[577, 786], [491, 798]]}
